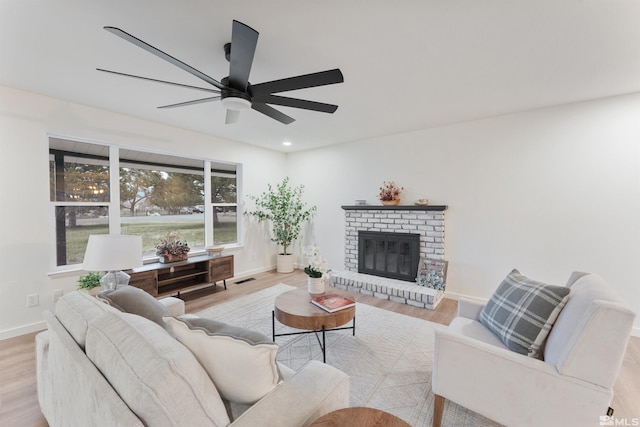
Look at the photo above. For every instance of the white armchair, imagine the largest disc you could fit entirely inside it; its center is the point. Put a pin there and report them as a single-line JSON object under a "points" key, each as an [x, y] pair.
{"points": [[573, 385]]}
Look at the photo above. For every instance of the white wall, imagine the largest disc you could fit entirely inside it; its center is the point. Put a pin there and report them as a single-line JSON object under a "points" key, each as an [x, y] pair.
{"points": [[26, 218], [547, 192]]}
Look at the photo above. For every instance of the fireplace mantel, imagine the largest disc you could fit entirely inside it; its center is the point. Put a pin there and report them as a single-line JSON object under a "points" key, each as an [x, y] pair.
{"points": [[394, 208]]}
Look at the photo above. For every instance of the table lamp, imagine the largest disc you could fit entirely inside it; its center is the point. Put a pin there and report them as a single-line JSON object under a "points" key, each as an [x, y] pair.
{"points": [[113, 253]]}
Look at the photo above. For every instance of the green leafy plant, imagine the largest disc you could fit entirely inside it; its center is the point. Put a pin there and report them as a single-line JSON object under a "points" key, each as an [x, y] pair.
{"points": [[284, 208], [89, 281]]}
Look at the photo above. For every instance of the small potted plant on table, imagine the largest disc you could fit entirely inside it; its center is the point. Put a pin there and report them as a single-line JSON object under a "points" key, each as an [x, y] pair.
{"points": [[316, 269], [90, 282], [172, 249]]}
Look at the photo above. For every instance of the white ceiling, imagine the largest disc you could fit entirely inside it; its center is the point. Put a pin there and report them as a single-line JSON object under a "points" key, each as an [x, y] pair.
{"points": [[408, 65]]}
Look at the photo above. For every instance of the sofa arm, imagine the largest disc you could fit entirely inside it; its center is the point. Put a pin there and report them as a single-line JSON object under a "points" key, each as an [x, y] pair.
{"points": [[316, 389], [175, 306], [469, 309], [43, 377], [511, 388]]}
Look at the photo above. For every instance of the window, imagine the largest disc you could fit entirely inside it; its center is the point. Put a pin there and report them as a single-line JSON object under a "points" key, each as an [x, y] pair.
{"points": [[224, 198], [159, 197], [79, 190], [156, 194]]}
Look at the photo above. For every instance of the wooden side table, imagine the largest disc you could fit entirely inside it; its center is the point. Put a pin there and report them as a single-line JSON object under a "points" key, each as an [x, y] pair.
{"points": [[359, 417], [294, 309]]}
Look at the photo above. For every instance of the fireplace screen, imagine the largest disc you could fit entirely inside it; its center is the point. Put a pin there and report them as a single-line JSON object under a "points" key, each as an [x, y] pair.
{"points": [[392, 255]]}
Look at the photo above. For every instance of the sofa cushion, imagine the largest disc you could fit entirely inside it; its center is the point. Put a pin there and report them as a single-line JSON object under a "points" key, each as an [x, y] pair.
{"points": [[75, 310], [156, 376], [522, 311], [130, 299], [241, 363]]}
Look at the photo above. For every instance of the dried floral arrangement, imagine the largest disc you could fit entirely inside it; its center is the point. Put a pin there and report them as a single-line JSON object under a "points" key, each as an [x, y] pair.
{"points": [[390, 191], [172, 245]]}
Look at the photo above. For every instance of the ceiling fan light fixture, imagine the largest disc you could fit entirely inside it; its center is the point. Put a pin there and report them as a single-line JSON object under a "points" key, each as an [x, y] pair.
{"points": [[236, 103], [236, 93]]}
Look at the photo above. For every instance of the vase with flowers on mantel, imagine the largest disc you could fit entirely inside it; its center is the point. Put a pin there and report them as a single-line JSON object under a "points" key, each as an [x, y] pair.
{"points": [[390, 193]]}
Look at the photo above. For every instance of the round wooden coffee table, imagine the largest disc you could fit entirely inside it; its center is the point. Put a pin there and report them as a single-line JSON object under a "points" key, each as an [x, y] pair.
{"points": [[359, 417], [294, 309]]}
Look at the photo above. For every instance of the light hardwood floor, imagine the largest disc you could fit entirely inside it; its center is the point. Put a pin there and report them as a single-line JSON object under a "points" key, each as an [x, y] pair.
{"points": [[18, 397]]}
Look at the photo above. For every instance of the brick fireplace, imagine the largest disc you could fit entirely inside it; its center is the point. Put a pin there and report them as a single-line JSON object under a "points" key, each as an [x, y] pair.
{"points": [[425, 221]]}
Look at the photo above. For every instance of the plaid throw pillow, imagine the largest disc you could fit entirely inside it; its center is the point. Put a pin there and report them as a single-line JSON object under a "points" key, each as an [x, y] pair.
{"points": [[522, 311]]}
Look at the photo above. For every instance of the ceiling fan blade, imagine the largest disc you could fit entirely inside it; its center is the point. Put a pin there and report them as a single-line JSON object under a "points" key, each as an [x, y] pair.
{"points": [[321, 78], [272, 112], [195, 101], [160, 54], [158, 81], [243, 46], [297, 103], [231, 117]]}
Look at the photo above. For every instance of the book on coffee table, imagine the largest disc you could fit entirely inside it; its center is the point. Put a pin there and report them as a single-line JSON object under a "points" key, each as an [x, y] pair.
{"points": [[332, 302]]}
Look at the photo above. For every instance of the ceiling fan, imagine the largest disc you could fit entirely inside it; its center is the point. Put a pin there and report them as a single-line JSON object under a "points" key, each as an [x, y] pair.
{"points": [[235, 91]]}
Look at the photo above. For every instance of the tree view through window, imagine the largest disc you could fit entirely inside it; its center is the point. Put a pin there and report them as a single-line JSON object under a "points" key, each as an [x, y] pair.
{"points": [[157, 194], [224, 199]]}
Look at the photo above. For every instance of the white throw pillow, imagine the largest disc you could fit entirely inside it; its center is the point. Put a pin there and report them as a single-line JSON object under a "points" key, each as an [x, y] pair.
{"points": [[241, 363]]}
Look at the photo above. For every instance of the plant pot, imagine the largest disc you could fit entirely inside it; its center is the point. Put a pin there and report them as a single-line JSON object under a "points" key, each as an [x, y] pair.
{"points": [[315, 285], [390, 202], [165, 259], [284, 263]]}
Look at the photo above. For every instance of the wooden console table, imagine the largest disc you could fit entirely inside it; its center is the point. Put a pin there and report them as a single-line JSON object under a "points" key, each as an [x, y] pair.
{"points": [[161, 279]]}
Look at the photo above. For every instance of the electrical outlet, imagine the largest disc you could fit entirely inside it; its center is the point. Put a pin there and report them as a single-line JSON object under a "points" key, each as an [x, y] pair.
{"points": [[33, 300], [57, 294]]}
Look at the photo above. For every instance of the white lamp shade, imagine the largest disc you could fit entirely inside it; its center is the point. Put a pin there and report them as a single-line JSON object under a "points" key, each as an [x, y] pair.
{"points": [[109, 252]]}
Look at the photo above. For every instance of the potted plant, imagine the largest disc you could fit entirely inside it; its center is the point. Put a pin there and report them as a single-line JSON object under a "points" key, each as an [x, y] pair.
{"points": [[90, 282], [316, 269], [390, 193], [284, 208], [172, 248]]}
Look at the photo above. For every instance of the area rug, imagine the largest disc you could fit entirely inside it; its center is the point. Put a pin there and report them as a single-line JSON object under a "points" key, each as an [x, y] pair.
{"points": [[389, 359]]}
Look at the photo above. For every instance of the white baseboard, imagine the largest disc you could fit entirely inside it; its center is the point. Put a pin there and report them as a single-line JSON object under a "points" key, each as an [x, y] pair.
{"points": [[455, 296], [22, 330], [249, 273]]}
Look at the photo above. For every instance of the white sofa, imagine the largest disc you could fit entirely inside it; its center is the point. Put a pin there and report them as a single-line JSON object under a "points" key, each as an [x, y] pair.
{"points": [[572, 386], [156, 380]]}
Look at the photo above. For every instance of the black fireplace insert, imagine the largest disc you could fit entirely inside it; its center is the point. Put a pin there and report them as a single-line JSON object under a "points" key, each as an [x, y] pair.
{"points": [[392, 255]]}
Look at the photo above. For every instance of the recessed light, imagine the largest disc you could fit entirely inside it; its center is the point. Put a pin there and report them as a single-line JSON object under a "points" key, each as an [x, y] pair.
{"points": [[287, 143]]}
